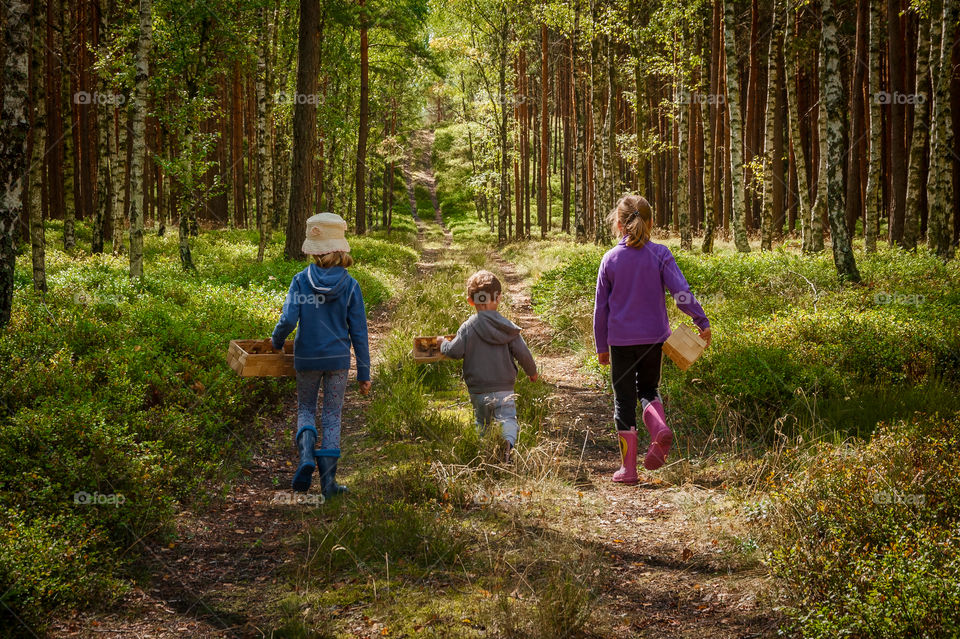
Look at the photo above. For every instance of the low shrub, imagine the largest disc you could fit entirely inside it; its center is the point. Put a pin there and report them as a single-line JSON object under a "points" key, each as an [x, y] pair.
{"points": [[866, 535]]}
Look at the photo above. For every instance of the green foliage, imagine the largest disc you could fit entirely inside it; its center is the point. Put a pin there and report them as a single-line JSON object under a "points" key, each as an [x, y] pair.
{"points": [[866, 536], [792, 345], [119, 391]]}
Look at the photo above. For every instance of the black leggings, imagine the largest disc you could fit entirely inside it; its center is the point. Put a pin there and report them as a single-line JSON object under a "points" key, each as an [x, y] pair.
{"points": [[636, 375]]}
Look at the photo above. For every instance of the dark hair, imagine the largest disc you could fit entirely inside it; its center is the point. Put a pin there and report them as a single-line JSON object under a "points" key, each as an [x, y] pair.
{"points": [[634, 214], [483, 287]]}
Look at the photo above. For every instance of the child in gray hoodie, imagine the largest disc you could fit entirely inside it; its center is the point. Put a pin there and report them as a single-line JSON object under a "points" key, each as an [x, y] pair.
{"points": [[488, 343]]}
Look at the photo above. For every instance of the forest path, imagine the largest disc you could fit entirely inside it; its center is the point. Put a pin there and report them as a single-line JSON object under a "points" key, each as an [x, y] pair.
{"points": [[235, 556], [666, 576]]}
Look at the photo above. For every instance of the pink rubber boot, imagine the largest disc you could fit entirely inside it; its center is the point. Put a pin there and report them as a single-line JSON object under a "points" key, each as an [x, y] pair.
{"points": [[628, 457], [661, 437]]}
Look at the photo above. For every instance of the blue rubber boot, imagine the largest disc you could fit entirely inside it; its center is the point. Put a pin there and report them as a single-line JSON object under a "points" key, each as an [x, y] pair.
{"points": [[306, 439], [327, 462]]}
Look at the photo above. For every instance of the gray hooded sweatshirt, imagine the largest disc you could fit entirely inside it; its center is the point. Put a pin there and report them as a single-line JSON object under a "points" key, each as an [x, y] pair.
{"points": [[488, 343]]}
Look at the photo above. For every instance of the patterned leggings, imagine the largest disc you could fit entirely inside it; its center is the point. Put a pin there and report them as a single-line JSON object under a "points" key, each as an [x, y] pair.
{"points": [[308, 388]]}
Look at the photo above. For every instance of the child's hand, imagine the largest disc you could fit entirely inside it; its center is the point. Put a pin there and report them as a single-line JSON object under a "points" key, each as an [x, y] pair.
{"points": [[603, 358], [705, 335], [365, 387]]}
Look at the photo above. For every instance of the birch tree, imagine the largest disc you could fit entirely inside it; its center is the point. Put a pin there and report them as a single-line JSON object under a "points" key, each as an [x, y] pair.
{"points": [[939, 179], [766, 222], [832, 97], [38, 133], [14, 129], [264, 87], [736, 130], [921, 124], [138, 113]]}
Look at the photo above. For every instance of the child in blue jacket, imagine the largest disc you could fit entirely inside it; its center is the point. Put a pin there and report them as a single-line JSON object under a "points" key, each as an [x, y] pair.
{"points": [[325, 304]]}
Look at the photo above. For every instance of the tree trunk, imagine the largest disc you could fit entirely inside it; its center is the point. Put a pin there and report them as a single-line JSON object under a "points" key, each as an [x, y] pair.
{"points": [[898, 92], [119, 164], [857, 146], [304, 128], [34, 195], [543, 193], [871, 215], [832, 97], [939, 179], [361, 170], [103, 201], [766, 221], [751, 131], [264, 88], [819, 209], [14, 129], [138, 112], [710, 133], [736, 131], [916, 179], [683, 175]]}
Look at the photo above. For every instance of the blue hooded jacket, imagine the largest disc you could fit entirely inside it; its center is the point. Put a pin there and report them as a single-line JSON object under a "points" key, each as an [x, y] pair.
{"points": [[328, 305]]}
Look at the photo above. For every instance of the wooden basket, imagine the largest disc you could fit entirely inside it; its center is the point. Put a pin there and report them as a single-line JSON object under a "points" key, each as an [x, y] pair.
{"points": [[256, 358], [684, 347], [427, 349]]}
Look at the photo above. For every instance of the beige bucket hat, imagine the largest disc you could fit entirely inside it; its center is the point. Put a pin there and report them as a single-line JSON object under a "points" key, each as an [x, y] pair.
{"points": [[325, 234]]}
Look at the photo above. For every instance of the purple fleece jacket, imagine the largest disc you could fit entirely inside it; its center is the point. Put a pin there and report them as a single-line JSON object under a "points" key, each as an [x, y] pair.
{"points": [[630, 306]]}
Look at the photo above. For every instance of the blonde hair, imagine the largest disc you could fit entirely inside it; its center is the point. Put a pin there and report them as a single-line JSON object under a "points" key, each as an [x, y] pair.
{"points": [[335, 258], [635, 215], [483, 287]]}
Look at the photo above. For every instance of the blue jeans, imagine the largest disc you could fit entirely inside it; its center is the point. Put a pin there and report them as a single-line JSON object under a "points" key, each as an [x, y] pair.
{"points": [[499, 406], [308, 388]]}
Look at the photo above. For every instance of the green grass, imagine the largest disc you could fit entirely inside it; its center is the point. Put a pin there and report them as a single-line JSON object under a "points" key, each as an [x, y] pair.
{"points": [[121, 390], [785, 359]]}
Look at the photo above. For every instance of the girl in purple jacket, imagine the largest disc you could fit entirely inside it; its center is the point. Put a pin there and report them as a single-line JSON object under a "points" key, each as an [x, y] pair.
{"points": [[630, 326]]}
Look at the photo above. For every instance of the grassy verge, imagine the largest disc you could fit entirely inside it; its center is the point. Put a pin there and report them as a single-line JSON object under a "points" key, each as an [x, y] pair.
{"points": [[830, 411], [434, 511], [117, 408]]}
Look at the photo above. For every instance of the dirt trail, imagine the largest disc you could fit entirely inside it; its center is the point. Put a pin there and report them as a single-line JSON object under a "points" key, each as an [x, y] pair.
{"points": [[419, 170], [233, 560], [668, 580]]}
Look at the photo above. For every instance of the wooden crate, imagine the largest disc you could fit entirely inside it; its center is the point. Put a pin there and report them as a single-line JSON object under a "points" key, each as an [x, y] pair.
{"points": [[684, 346], [256, 358], [427, 349]]}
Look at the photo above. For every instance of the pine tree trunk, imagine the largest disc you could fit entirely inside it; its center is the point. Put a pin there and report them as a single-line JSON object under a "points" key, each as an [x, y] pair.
{"points": [[832, 97], [857, 151], [363, 124], [14, 129], [766, 221], [736, 131], [103, 204], [939, 179], [916, 180], [138, 112], [898, 147], [871, 216], [543, 193], [683, 176], [304, 128], [503, 210]]}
